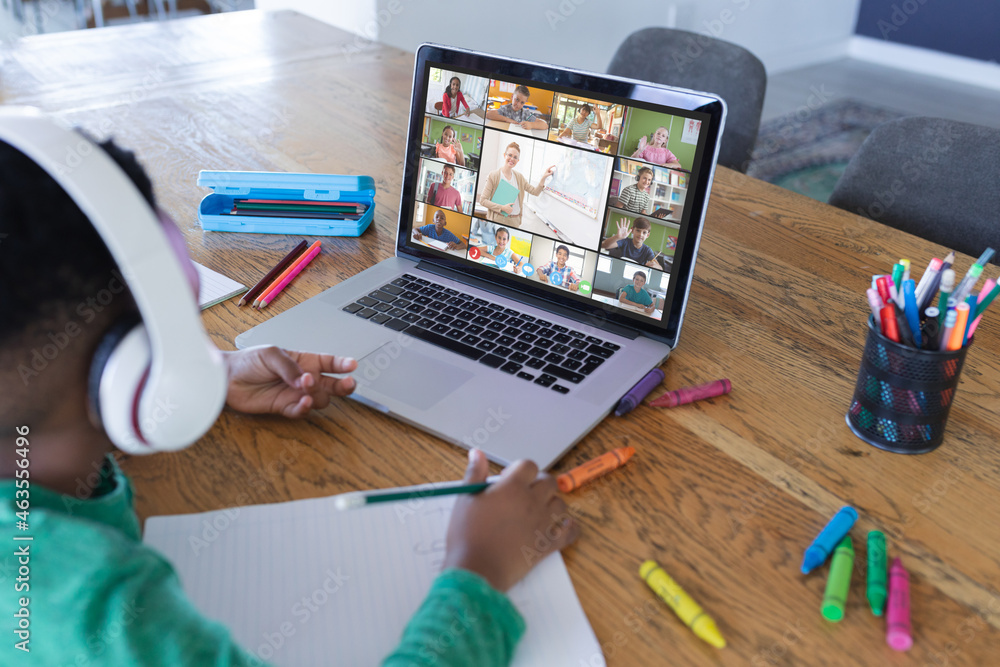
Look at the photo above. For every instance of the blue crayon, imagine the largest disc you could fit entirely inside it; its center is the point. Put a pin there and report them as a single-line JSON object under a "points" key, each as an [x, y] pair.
{"points": [[828, 538]]}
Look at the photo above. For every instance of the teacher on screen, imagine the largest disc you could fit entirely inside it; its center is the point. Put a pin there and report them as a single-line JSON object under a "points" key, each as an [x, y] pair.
{"points": [[510, 214]]}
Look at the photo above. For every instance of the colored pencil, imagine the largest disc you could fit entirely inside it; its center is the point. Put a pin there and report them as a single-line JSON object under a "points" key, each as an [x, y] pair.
{"points": [[281, 276], [269, 278], [291, 276]]}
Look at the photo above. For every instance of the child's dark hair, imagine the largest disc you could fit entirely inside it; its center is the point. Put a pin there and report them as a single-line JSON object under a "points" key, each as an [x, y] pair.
{"points": [[523, 90], [51, 257], [562, 247], [586, 109], [455, 78], [641, 223]]}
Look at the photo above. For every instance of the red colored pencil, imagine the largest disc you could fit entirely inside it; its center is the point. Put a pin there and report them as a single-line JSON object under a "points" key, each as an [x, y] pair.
{"points": [[301, 264], [272, 274], [277, 281]]}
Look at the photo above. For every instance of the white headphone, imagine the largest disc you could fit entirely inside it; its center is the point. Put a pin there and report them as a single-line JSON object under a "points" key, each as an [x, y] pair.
{"points": [[158, 384]]}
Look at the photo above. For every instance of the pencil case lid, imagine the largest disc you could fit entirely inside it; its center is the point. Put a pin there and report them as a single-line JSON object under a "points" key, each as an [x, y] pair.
{"points": [[315, 187]]}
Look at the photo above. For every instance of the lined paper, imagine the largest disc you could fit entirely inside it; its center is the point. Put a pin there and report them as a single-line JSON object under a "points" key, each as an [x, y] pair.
{"points": [[214, 287], [302, 583]]}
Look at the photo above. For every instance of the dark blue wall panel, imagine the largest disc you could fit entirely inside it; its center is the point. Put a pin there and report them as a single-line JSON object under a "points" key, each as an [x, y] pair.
{"points": [[968, 28]]}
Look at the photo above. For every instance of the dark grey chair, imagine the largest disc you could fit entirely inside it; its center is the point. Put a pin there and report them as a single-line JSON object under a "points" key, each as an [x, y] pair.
{"points": [[938, 179], [692, 60]]}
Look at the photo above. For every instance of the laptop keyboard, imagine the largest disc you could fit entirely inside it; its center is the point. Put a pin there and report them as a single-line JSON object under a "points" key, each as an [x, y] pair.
{"points": [[533, 349]]}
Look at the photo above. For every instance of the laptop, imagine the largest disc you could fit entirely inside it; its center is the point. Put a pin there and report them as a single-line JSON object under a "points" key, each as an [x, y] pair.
{"points": [[545, 249]]}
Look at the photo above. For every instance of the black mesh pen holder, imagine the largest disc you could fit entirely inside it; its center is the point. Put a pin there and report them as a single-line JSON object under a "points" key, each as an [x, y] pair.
{"points": [[903, 394]]}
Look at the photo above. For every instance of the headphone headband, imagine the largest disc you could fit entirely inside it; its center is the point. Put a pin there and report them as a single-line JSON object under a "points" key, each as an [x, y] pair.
{"points": [[185, 370]]}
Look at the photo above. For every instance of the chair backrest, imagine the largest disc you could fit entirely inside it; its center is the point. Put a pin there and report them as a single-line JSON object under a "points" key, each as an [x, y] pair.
{"points": [[692, 60], [938, 179]]}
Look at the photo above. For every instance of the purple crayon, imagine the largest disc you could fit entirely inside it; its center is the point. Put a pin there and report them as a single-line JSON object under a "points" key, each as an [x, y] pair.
{"points": [[828, 538], [672, 399]]}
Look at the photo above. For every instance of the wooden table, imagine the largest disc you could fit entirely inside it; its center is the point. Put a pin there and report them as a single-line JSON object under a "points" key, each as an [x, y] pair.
{"points": [[725, 493]]}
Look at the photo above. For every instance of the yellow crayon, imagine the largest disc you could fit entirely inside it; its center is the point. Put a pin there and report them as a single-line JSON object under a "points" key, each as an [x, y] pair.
{"points": [[686, 609]]}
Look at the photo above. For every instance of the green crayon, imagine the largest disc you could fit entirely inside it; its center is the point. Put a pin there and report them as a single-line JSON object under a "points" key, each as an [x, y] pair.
{"points": [[837, 585], [877, 592]]}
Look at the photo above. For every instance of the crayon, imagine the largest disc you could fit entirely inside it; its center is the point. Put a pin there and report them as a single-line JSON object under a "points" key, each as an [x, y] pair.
{"points": [[898, 631], [832, 533], [685, 395], [839, 581], [639, 391], [686, 608], [602, 465], [876, 591]]}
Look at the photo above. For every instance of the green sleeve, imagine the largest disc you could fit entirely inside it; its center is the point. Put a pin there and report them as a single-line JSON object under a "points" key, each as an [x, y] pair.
{"points": [[463, 621]]}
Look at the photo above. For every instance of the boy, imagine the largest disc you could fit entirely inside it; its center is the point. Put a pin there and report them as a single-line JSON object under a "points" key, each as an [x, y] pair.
{"points": [[636, 197], [437, 231], [98, 596], [635, 295], [566, 275], [514, 112], [633, 249]]}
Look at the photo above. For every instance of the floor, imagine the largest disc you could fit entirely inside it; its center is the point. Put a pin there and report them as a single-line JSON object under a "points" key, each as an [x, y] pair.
{"points": [[881, 86]]}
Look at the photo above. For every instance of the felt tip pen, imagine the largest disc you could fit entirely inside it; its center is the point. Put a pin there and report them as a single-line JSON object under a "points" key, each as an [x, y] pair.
{"points": [[882, 285], [970, 301], [641, 390], [897, 280], [912, 314], [931, 330], [906, 269], [930, 273], [958, 332], [968, 282], [985, 258], [949, 324], [947, 285], [889, 328], [875, 303], [986, 297]]}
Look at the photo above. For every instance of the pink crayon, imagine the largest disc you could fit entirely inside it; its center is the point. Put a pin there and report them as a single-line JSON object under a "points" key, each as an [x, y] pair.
{"points": [[898, 632], [672, 399]]}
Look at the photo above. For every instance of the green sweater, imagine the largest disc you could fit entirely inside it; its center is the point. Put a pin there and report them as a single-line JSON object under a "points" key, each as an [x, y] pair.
{"points": [[94, 594]]}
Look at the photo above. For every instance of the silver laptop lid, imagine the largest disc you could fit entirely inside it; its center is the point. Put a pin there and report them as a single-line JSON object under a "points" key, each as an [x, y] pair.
{"points": [[586, 191]]}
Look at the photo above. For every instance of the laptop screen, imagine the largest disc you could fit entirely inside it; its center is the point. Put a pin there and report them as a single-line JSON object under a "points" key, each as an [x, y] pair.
{"points": [[567, 186]]}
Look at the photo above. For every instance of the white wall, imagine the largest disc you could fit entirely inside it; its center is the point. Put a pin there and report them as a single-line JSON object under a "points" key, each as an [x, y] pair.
{"points": [[784, 34], [351, 15]]}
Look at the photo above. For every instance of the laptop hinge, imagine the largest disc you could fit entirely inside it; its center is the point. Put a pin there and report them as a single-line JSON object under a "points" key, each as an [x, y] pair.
{"points": [[562, 311]]}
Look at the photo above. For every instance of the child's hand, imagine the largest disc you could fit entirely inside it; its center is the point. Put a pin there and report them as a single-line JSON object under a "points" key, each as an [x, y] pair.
{"points": [[268, 379], [642, 143], [501, 533], [624, 229]]}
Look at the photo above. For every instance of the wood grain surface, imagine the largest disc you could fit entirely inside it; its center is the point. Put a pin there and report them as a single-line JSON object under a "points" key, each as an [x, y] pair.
{"points": [[725, 493]]}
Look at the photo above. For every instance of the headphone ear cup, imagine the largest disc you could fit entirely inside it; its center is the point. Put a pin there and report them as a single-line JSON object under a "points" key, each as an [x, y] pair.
{"points": [[117, 376]]}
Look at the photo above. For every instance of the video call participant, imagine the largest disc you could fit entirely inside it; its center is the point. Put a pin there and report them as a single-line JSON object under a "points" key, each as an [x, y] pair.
{"points": [[636, 295], [656, 150], [636, 197], [437, 231], [442, 194], [502, 249], [452, 98], [448, 148], [514, 112], [495, 212], [569, 278], [634, 249], [579, 128]]}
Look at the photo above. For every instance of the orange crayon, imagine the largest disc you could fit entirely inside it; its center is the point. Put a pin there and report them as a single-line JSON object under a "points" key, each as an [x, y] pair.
{"points": [[603, 464]]}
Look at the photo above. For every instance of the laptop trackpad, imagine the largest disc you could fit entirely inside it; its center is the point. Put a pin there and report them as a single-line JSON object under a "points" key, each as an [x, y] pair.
{"points": [[409, 376]]}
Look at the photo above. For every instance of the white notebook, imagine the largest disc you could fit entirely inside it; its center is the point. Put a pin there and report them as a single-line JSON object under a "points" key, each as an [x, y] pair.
{"points": [[214, 287], [302, 583]]}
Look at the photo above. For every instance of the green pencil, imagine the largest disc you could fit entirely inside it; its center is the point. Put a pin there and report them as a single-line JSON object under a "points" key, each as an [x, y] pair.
{"points": [[357, 499]]}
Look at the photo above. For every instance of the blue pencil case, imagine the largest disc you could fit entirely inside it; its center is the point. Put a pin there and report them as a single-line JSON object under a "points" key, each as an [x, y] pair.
{"points": [[227, 186]]}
